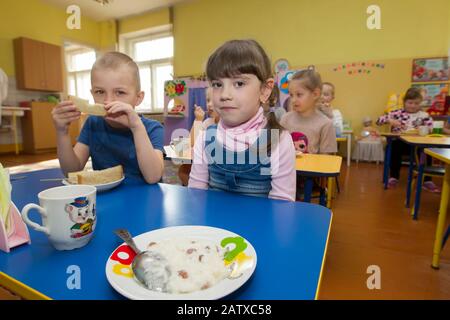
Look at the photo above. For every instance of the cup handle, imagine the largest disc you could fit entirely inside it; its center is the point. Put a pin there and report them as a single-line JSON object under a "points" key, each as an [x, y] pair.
{"points": [[32, 224]]}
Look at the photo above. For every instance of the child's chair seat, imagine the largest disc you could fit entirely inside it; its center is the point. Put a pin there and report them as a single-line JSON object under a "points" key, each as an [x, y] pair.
{"points": [[368, 150]]}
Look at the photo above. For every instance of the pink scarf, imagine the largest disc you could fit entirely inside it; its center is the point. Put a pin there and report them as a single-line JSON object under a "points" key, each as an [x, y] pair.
{"points": [[241, 137]]}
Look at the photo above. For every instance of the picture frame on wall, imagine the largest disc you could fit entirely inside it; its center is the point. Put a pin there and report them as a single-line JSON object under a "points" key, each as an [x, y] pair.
{"points": [[434, 97], [430, 69]]}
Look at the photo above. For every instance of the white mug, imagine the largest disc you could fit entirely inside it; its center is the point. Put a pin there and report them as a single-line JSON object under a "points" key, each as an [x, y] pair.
{"points": [[68, 215], [423, 130]]}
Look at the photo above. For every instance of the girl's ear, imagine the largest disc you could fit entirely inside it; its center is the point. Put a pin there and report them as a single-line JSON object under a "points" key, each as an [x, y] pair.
{"points": [[266, 90], [317, 93]]}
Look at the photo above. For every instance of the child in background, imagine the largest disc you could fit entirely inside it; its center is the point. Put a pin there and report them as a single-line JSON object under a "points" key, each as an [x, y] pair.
{"points": [[305, 91], [238, 154], [401, 121], [326, 108], [213, 118], [122, 137]]}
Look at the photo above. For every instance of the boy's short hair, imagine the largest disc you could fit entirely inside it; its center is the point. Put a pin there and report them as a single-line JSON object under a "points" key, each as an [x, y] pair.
{"points": [[328, 84], [114, 60], [413, 94]]}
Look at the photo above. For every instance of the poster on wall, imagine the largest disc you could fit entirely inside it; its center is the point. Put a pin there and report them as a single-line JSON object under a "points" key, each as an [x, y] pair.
{"points": [[434, 97], [430, 69]]}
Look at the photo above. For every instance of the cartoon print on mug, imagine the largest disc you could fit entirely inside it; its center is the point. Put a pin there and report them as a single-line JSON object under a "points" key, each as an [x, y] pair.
{"points": [[84, 218]]}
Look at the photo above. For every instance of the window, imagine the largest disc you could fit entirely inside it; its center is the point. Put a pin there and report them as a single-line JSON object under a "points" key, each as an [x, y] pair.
{"points": [[79, 61], [153, 53]]}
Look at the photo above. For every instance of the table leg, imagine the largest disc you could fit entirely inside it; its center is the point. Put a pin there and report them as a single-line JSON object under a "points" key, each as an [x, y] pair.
{"points": [[308, 189], [330, 192], [419, 186], [14, 125], [441, 218], [410, 173], [349, 148], [387, 161]]}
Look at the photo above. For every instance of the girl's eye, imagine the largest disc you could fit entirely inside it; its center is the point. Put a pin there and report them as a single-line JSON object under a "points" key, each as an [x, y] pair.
{"points": [[98, 91], [239, 84], [216, 84]]}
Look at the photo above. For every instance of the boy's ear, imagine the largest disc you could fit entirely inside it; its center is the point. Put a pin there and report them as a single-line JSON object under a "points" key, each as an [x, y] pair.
{"points": [[140, 98], [266, 90]]}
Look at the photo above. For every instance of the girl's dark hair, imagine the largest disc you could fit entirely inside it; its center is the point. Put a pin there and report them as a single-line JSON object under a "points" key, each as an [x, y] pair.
{"points": [[236, 57], [412, 94]]}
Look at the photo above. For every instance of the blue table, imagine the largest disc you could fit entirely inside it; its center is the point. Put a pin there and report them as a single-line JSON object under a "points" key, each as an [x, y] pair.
{"points": [[290, 238]]}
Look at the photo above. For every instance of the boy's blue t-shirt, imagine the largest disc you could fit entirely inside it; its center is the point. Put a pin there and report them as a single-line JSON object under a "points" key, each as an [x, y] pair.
{"points": [[109, 147]]}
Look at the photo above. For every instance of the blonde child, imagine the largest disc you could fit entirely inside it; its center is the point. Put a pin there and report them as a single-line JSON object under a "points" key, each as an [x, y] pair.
{"points": [[408, 118], [236, 155], [122, 136], [304, 92], [199, 125], [327, 109]]}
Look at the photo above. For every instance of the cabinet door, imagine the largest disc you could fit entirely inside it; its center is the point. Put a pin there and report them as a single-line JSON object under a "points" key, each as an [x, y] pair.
{"points": [[44, 133], [29, 60], [53, 67]]}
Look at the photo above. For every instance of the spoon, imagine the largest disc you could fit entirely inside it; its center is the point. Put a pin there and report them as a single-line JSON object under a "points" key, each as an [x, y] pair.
{"points": [[150, 268]]}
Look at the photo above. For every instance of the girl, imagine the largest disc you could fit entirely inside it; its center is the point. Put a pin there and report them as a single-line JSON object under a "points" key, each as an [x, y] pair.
{"points": [[237, 155], [304, 93], [403, 120]]}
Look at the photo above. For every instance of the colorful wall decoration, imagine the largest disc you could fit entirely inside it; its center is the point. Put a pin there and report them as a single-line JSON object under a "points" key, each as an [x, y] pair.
{"points": [[430, 69], [434, 97], [358, 68], [179, 104]]}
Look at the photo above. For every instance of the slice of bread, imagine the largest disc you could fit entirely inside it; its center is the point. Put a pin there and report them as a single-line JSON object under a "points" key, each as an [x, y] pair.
{"points": [[72, 177], [97, 176], [85, 107]]}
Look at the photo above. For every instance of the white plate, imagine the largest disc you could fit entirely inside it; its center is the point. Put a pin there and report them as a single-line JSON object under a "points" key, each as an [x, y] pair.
{"points": [[100, 187], [132, 289]]}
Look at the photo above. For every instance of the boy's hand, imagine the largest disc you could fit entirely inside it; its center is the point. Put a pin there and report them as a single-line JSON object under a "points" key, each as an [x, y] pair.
{"points": [[122, 113], [199, 113], [63, 115]]}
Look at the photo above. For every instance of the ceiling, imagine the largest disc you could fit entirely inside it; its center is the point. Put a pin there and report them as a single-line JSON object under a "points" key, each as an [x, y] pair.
{"points": [[116, 9]]}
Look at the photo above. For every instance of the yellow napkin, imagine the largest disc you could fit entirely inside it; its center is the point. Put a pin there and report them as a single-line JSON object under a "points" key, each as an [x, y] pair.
{"points": [[5, 199]]}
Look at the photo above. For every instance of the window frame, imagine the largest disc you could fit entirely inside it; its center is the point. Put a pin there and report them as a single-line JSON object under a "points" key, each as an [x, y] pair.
{"points": [[78, 73], [127, 44]]}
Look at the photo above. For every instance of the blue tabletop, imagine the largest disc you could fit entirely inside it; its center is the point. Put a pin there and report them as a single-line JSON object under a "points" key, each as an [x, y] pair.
{"points": [[290, 238]]}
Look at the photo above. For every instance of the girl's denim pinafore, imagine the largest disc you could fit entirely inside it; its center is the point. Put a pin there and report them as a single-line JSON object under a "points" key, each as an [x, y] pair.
{"points": [[246, 172]]}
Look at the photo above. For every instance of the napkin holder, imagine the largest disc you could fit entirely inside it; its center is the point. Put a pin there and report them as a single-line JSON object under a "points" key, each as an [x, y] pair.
{"points": [[20, 234]]}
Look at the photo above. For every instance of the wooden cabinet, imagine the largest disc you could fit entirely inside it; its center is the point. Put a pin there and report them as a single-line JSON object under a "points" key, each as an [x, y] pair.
{"points": [[38, 131], [39, 65]]}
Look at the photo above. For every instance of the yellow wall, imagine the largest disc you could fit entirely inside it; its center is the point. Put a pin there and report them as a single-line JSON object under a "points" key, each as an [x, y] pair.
{"points": [[37, 20], [144, 21], [363, 95], [311, 31]]}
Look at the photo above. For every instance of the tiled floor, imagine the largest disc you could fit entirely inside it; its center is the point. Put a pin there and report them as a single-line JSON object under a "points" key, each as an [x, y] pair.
{"points": [[370, 227]]}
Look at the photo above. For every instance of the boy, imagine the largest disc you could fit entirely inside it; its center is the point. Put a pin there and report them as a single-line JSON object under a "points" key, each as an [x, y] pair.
{"points": [[326, 108], [122, 136]]}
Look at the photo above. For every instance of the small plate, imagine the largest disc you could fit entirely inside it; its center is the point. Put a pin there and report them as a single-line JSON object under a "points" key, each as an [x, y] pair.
{"points": [[120, 276], [100, 187]]}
